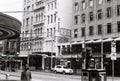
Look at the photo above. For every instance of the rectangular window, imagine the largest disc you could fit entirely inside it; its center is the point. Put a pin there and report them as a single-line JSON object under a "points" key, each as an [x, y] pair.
{"points": [[100, 14], [91, 31], [83, 18], [83, 31], [51, 18], [109, 28], [76, 7], [75, 33], [99, 29], [83, 4], [47, 32], [109, 12], [91, 17], [100, 1], [91, 3], [48, 19], [118, 26], [76, 19], [118, 10]]}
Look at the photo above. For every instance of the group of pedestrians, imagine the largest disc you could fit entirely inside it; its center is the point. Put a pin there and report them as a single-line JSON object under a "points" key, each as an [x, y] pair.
{"points": [[26, 74]]}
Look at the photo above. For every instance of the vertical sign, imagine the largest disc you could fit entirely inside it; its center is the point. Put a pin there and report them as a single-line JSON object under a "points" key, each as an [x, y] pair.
{"points": [[113, 50]]}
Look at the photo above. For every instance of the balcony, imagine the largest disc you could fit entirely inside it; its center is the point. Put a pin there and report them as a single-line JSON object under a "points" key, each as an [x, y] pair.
{"points": [[39, 5]]}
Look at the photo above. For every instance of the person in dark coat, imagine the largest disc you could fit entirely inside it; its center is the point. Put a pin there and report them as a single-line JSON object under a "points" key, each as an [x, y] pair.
{"points": [[26, 74]]}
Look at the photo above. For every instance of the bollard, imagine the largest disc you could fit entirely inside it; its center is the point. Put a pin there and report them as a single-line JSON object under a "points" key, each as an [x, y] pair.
{"points": [[7, 76]]}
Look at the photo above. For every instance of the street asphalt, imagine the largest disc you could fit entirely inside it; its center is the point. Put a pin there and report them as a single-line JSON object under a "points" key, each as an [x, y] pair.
{"points": [[16, 76]]}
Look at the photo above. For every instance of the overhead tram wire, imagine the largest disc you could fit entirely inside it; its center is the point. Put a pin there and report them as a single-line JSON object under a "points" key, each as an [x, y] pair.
{"points": [[15, 11]]}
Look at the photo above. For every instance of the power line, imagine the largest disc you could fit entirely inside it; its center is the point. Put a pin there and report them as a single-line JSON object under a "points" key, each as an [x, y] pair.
{"points": [[16, 11]]}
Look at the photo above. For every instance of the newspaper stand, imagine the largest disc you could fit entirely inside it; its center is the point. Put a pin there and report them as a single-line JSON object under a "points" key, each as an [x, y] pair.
{"points": [[93, 75]]}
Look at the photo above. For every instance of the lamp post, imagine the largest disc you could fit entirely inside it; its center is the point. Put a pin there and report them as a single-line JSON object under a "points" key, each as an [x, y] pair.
{"points": [[28, 58]]}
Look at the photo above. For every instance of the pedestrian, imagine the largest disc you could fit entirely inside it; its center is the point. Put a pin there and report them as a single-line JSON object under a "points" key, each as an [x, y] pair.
{"points": [[26, 74]]}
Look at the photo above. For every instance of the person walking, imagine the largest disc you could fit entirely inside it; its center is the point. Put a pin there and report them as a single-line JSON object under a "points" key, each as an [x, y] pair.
{"points": [[26, 74]]}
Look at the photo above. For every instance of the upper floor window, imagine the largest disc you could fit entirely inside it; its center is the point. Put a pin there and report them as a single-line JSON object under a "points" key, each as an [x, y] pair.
{"points": [[83, 31], [83, 4], [109, 0], [118, 26], [75, 33], [99, 29], [109, 28], [48, 19], [100, 1], [51, 18], [118, 10], [109, 12], [91, 3], [91, 31], [91, 16], [76, 19], [83, 17], [76, 7], [100, 14]]}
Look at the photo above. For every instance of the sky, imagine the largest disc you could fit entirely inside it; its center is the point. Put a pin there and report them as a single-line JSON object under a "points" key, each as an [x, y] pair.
{"points": [[12, 5]]}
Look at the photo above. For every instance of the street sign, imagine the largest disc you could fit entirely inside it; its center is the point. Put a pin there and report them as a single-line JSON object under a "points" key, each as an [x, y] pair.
{"points": [[113, 50]]}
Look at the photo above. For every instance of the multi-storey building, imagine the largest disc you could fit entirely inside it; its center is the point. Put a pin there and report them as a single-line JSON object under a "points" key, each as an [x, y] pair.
{"points": [[96, 24], [42, 20], [32, 37]]}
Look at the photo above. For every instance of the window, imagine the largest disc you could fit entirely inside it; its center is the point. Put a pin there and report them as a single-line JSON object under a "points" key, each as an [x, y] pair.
{"points": [[47, 32], [55, 17], [118, 26], [48, 19], [109, 12], [76, 19], [50, 31], [48, 7], [100, 14], [83, 18], [83, 31], [99, 29], [51, 18], [75, 33], [83, 4], [118, 10], [100, 1], [91, 17], [76, 7], [27, 21], [108, 0], [91, 3], [91, 30], [109, 28]]}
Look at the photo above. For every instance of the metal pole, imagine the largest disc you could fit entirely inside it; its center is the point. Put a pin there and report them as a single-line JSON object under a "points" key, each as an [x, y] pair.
{"points": [[52, 54], [102, 50], [112, 70]]}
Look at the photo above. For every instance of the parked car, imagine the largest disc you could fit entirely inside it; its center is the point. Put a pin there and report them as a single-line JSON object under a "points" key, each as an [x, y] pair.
{"points": [[62, 69]]}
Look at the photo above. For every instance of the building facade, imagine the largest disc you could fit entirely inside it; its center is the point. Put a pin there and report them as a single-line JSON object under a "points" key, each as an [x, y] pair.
{"points": [[42, 21], [96, 24]]}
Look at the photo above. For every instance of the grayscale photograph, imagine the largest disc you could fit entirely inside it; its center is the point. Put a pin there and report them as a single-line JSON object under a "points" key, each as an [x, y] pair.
{"points": [[59, 40]]}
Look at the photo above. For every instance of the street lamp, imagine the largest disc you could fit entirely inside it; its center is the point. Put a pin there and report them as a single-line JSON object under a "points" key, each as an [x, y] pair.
{"points": [[28, 58]]}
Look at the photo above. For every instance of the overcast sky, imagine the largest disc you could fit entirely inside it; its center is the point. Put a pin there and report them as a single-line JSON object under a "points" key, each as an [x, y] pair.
{"points": [[12, 5]]}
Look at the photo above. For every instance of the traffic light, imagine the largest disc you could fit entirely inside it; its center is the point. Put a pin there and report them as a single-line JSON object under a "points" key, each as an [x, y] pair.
{"points": [[83, 53], [88, 57], [88, 53]]}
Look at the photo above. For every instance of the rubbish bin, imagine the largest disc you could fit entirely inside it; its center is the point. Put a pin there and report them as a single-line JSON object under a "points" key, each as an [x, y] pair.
{"points": [[93, 75]]}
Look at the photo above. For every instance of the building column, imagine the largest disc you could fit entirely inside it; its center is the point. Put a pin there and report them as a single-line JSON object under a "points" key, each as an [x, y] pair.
{"points": [[43, 62]]}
